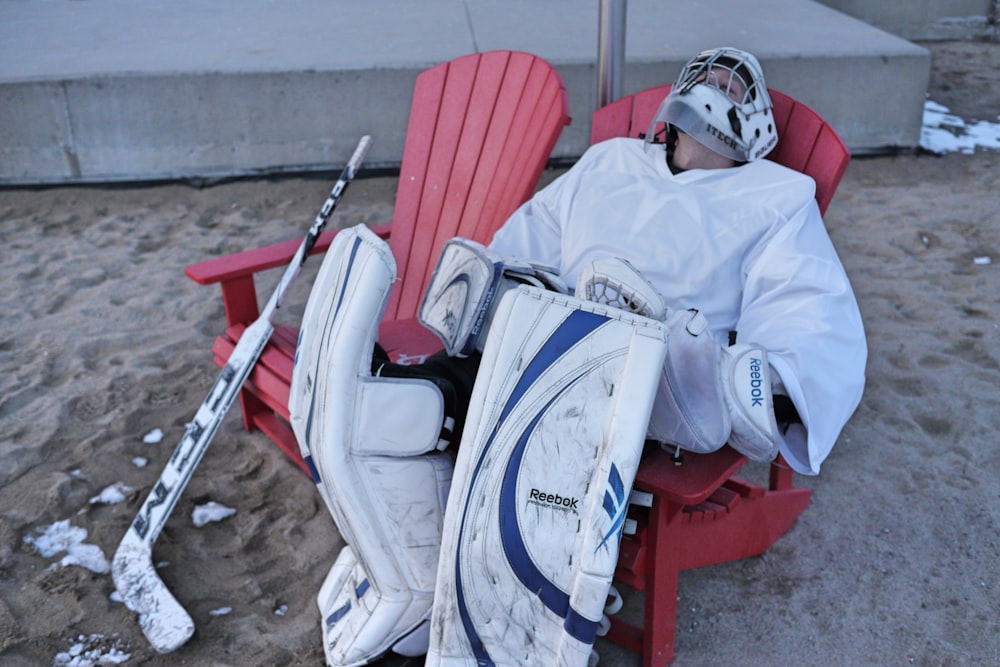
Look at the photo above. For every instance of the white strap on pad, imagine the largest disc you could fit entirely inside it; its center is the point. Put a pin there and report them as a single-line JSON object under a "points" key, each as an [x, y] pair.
{"points": [[542, 481]]}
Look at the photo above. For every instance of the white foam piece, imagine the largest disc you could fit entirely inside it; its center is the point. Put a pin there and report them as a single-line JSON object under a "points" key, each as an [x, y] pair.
{"points": [[209, 512]]}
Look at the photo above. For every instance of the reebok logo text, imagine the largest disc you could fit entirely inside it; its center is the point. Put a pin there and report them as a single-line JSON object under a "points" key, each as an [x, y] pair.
{"points": [[553, 500], [756, 382]]}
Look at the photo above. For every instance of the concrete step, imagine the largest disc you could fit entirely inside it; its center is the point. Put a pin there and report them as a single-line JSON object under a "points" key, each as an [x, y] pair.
{"points": [[118, 90]]}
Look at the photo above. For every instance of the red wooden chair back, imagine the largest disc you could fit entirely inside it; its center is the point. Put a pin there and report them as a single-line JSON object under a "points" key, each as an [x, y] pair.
{"points": [[806, 143], [481, 130]]}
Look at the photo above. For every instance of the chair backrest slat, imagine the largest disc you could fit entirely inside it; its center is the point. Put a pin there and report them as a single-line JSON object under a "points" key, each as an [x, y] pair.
{"points": [[481, 130]]}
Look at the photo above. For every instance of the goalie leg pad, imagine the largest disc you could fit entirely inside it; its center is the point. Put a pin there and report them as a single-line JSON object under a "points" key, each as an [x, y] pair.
{"points": [[370, 444], [549, 453], [380, 590]]}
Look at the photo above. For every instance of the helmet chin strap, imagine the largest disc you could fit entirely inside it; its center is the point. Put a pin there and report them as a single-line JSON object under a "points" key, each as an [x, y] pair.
{"points": [[668, 137], [734, 122]]}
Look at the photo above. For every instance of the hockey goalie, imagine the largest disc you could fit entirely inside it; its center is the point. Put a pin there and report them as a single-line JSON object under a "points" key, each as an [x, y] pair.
{"points": [[678, 289]]}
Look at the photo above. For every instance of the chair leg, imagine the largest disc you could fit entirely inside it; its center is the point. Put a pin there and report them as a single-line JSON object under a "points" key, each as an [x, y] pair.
{"points": [[239, 298], [250, 406], [659, 632], [781, 476]]}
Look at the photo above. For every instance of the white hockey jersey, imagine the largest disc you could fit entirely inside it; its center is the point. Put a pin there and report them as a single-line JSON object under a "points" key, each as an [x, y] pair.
{"points": [[746, 246]]}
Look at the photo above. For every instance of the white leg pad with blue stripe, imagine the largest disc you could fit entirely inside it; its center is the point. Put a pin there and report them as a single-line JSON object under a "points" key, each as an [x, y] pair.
{"points": [[370, 444], [549, 453]]}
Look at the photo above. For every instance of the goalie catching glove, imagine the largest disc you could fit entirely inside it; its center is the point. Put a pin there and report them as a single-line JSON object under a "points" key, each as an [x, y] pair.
{"points": [[708, 394]]}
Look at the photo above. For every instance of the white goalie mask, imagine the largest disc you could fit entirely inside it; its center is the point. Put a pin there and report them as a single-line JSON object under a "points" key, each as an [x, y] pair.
{"points": [[720, 100]]}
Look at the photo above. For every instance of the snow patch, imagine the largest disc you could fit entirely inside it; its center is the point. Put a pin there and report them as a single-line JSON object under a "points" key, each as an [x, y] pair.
{"points": [[153, 437], [52, 540], [112, 494], [943, 132], [91, 651]]}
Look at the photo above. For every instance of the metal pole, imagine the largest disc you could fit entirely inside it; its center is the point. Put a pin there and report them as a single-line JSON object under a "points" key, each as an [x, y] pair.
{"points": [[610, 51]]}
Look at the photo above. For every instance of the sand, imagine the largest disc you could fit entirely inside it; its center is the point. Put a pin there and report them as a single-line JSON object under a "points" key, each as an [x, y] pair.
{"points": [[103, 341]]}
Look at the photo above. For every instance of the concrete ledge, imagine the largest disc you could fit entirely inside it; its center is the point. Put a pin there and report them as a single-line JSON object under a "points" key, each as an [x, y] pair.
{"points": [[926, 19], [113, 90]]}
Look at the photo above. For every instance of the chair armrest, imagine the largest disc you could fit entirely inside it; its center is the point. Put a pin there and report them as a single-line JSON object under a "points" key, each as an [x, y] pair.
{"points": [[249, 262], [693, 481], [235, 272]]}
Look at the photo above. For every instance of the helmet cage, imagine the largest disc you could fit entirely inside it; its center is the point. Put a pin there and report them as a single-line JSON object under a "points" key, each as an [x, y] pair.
{"points": [[720, 99]]}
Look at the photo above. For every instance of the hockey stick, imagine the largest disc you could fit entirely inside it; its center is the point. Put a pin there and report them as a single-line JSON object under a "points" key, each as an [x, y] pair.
{"points": [[164, 621]]}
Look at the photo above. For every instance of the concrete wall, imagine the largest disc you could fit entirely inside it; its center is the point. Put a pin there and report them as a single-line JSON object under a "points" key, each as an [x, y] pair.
{"points": [[926, 19], [118, 90]]}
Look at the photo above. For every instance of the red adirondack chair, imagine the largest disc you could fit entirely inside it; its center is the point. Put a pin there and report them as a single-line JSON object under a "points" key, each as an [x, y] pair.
{"points": [[481, 130], [699, 512]]}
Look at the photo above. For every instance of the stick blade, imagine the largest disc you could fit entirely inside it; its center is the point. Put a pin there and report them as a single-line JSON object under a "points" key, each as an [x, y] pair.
{"points": [[163, 620]]}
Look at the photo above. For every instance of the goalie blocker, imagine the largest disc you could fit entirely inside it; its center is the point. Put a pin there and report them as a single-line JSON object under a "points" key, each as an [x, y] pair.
{"points": [[710, 395]]}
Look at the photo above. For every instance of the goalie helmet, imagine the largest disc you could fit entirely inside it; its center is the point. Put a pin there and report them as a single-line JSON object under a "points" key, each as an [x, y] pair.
{"points": [[720, 99]]}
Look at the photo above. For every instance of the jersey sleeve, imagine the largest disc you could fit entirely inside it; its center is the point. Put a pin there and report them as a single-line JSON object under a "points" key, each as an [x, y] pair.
{"points": [[799, 305]]}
